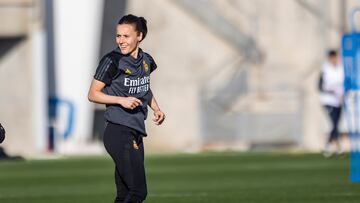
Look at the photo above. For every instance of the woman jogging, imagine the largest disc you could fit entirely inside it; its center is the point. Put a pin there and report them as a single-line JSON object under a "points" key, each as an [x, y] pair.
{"points": [[122, 83]]}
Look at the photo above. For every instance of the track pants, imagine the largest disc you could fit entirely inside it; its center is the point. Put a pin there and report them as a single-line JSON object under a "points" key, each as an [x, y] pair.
{"points": [[334, 114], [125, 146]]}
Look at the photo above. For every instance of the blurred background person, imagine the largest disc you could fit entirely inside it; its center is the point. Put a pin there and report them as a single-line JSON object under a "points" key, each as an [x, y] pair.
{"points": [[331, 96]]}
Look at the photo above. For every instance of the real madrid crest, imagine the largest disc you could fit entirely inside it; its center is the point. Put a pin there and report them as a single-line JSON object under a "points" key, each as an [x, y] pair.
{"points": [[135, 145], [146, 66]]}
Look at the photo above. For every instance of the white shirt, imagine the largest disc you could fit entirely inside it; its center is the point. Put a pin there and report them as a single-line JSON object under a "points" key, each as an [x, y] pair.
{"points": [[333, 85]]}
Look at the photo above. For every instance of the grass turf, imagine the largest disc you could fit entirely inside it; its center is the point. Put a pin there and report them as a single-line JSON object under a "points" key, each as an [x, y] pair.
{"points": [[185, 178]]}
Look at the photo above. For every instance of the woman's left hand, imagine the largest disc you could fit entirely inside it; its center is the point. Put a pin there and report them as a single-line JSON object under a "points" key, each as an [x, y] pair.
{"points": [[159, 117]]}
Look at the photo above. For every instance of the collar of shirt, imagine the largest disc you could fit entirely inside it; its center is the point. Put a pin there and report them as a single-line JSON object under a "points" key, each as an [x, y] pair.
{"points": [[131, 60]]}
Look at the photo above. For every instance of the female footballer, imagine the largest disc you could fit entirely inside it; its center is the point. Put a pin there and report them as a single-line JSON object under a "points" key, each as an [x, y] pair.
{"points": [[122, 83]]}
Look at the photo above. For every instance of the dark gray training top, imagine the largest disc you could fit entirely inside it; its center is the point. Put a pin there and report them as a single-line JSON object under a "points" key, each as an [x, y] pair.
{"points": [[126, 76]]}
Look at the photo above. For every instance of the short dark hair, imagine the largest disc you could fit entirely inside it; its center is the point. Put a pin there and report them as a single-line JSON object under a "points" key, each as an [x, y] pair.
{"points": [[332, 53], [138, 22]]}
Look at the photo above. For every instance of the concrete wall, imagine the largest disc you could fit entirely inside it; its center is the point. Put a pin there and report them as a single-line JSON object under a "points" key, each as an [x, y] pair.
{"points": [[293, 37], [216, 91], [22, 89]]}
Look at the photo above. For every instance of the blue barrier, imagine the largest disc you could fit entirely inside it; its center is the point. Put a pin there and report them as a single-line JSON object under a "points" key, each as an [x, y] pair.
{"points": [[350, 48], [54, 104]]}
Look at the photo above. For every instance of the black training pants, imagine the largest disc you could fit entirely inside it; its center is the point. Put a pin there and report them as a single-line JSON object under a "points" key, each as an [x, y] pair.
{"points": [[125, 146], [334, 114]]}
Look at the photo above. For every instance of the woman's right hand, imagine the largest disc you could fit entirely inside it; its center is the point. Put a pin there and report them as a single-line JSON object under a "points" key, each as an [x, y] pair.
{"points": [[129, 102]]}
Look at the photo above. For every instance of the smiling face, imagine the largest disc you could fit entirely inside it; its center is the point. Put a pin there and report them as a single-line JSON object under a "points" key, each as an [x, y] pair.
{"points": [[127, 38]]}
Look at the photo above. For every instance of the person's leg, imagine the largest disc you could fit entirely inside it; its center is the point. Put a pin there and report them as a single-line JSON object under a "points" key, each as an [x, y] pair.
{"points": [[335, 135], [115, 141], [129, 159], [134, 174], [121, 189], [335, 117], [327, 150], [334, 114]]}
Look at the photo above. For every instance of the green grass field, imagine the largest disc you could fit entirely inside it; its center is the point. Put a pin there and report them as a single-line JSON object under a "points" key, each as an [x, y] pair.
{"points": [[185, 178]]}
